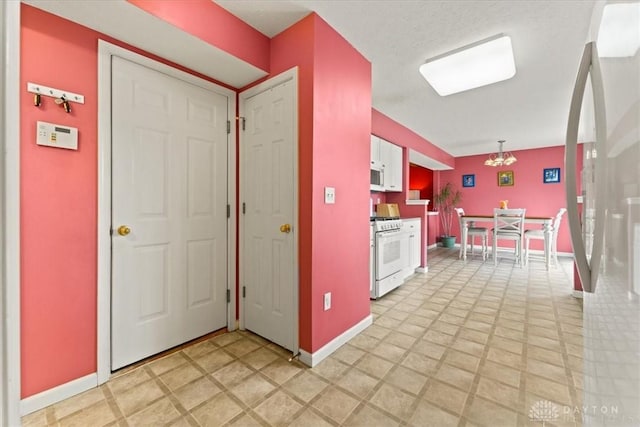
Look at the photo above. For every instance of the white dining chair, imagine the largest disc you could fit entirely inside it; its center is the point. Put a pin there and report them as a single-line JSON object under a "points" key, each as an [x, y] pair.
{"points": [[472, 233], [539, 235], [508, 224]]}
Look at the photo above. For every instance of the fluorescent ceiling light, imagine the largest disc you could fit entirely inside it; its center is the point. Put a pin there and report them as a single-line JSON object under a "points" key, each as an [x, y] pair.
{"points": [[479, 64], [619, 34]]}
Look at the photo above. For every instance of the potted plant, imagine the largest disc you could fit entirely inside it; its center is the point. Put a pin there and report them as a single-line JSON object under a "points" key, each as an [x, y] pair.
{"points": [[445, 201]]}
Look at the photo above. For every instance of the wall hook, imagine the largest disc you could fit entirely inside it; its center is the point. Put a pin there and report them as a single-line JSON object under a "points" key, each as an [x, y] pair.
{"points": [[37, 100], [65, 104]]}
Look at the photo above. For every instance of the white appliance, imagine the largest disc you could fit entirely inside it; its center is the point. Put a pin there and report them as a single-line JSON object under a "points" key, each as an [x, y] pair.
{"points": [[377, 175], [605, 227], [391, 256]]}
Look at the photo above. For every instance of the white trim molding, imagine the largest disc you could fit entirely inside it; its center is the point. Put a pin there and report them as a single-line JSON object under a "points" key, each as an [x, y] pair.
{"points": [[57, 394], [312, 359], [10, 214]]}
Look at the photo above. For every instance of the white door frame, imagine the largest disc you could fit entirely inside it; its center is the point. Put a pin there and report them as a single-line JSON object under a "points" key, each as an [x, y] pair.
{"points": [[10, 213], [292, 75], [105, 52]]}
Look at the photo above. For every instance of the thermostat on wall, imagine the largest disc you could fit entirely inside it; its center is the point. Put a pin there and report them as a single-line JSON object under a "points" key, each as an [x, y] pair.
{"points": [[58, 136]]}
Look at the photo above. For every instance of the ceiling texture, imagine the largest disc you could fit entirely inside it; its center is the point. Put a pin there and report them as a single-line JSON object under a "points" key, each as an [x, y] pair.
{"points": [[397, 36]]}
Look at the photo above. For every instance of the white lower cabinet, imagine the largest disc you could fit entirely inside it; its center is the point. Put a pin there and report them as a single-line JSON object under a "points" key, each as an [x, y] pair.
{"points": [[411, 226], [414, 251]]}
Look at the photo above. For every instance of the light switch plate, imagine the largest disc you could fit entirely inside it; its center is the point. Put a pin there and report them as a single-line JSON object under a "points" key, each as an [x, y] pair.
{"points": [[329, 195]]}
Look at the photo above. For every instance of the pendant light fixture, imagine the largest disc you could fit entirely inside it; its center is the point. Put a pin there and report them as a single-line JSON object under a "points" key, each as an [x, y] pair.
{"points": [[501, 158]]}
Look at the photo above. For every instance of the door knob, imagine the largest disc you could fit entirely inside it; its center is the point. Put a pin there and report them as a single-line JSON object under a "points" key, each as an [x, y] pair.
{"points": [[123, 230], [285, 228]]}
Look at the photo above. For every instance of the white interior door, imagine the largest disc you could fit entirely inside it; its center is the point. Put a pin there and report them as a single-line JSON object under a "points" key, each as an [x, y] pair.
{"points": [[269, 273], [169, 188]]}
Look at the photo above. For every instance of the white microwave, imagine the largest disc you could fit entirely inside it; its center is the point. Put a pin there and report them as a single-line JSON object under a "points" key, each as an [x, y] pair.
{"points": [[377, 176]]}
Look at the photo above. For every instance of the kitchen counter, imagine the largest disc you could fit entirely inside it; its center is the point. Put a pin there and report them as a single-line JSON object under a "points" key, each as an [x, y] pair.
{"points": [[417, 202]]}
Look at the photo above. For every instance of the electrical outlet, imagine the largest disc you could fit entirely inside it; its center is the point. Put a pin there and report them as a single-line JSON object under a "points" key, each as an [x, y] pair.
{"points": [[327, 301], [329, 195]]}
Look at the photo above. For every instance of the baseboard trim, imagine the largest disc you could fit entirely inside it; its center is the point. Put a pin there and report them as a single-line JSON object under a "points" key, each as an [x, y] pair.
{"points": [[57, 394], [317, 357], [435, 245], [577, 294], [422, 269]]}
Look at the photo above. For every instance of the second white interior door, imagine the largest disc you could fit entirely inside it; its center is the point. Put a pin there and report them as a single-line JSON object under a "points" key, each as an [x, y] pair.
{"points": [[268, 232]]}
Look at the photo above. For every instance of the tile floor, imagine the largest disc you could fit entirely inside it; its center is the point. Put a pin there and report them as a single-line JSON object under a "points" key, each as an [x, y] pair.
{"points": [[466, 344]]}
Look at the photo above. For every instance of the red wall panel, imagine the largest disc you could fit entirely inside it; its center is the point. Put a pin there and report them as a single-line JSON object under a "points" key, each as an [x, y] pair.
{"points": [[421, 179]]}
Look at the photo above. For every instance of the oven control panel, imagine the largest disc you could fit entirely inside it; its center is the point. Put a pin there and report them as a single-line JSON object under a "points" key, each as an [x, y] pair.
{"points": [[388, 225]]}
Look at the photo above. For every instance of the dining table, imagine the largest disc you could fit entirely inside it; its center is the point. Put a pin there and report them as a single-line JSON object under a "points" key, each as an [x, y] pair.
{"points": [[545, 221]]}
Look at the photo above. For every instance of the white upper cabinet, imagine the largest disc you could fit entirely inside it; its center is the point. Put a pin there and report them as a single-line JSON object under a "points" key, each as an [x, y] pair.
{"points": [[375, 149], [391, 156], [388, 157]]}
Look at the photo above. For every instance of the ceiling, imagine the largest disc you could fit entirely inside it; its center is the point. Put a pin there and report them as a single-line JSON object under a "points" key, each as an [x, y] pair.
{"points": [[397, 36]]}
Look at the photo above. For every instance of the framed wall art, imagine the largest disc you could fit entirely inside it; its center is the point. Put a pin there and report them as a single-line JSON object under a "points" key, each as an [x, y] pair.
{"points": [[505, 178], [551, 175], [469, 180]]}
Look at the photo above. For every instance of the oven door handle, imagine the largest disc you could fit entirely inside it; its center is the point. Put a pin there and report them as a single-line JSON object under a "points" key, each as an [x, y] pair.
{"points": [[387, 234]]}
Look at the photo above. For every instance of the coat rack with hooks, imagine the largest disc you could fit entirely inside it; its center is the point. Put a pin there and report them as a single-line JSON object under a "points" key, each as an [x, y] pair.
{"points": [[62, 97]]}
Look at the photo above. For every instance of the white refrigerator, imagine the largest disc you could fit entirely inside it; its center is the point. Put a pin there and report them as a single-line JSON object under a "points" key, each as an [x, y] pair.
{"points": [[604, 213]]}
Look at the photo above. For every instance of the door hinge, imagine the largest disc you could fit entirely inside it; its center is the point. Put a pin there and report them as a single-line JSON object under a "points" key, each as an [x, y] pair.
{"points": [[244, 207], [110, 231], [228, 211], [228, 295], [244, 292], [228, 126], [244, 122]]}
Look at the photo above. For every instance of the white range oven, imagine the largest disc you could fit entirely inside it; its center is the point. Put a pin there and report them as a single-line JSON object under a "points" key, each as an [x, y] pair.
{"points": [[390, 256]]}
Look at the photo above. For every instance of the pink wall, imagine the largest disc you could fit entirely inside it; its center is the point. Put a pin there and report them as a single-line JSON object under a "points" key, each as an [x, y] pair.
{"points": [[342, 124], [335, 117], [378, 197], [528, 192], [58, 208], [433, 225], [297, 39], [58, 198], [214, 25]]}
